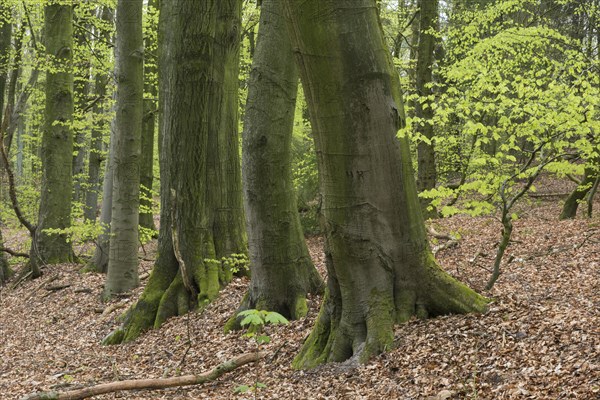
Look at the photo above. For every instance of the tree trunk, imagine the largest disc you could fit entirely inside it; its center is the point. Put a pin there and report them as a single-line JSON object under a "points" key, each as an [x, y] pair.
{"points": [[426, 170], [82, 91], [5, 41], [282, 271], [201, 214], [569, 210], [96, 157], [57, 143], [5, 271], [380, 268], [148, 127], [124, 236], [99, 262]]}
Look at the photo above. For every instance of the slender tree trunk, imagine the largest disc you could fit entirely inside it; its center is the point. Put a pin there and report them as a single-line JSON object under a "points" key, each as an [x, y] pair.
{"points": [[5, 42], [99, 262], [57, 142], [98, 130], [148, 128], [380, 268], [201, 218], [282, 271], [5, 271], [426, 170], [82, 92], [124, 237]]}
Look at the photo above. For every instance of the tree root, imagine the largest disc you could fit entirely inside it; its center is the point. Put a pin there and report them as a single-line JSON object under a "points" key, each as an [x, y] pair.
{"points": [[152, 384]]}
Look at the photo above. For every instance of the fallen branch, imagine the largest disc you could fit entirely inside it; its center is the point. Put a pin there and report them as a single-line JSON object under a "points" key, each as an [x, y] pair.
{"points": [[113, 307], [137, 384], [56, 288]]}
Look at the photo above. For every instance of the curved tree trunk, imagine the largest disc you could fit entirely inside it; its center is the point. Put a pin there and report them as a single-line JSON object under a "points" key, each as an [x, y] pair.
{"points": [[148, 127], [57, 143], [569, 210], [380, 268], [426, 168], [201, 212], [282, 271], [122, 272]]}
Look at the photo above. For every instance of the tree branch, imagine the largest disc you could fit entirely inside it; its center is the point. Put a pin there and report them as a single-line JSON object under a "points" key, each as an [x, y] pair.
{"points": [[137, 384]]}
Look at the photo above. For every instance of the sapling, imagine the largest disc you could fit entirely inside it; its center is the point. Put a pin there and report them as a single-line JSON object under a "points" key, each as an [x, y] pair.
{"points": [[254, 322]]}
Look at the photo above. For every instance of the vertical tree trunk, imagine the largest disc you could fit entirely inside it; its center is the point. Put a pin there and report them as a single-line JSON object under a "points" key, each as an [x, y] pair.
{"points": [[124, 240], [4, 269], [201, 218], [282, 271], [426, 171], [5, 42], [148, 127], [57, 142], [82, 91], [96, 157], [380, 268]]}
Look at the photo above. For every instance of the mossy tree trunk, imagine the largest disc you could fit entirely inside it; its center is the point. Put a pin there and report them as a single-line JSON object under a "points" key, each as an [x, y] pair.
{"points": [[282, 271], [148, 124], [122, 274], [426, 168], [57, 142], [201, 207], [98, 130], [380, 268]]}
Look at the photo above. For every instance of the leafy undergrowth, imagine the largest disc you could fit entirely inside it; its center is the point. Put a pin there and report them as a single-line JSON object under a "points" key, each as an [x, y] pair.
{"points": [[540, 339]]}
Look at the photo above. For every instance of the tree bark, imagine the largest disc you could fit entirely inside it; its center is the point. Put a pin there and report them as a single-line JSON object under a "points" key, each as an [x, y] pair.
{"points": [[426, 168], [569, 210], [5, 271], [148, 127], [82, 92], [122, 274], [96, 157], [380, 268], [201, 206], [57, 143], [282, 271]]}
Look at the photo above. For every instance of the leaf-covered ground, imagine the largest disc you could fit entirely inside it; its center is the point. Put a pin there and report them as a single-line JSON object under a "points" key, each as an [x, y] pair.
{"points": [[539, 340]]}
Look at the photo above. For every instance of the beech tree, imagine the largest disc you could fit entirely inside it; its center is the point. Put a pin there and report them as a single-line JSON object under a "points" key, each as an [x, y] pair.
{"points": [[282, 271], [123, 256], [57, 142], [202, 219], [380, 268], [149, 119], [426, 168]]}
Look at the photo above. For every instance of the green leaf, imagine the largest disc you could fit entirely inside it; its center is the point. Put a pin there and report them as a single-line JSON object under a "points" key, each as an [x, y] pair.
{"points": [[275, 318], [252, 319], [263, 339], [241, 389]]}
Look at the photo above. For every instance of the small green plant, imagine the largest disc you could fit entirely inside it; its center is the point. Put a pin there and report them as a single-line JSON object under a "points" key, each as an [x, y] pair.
{"points": [[255, 321]]}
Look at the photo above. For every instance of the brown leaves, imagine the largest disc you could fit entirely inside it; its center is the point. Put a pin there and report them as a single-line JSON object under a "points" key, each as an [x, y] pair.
{"points": [[540, 339]]}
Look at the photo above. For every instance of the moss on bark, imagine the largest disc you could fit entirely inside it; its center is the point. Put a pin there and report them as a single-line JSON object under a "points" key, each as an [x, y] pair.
{"points": [[201, 206], [380, 268]]}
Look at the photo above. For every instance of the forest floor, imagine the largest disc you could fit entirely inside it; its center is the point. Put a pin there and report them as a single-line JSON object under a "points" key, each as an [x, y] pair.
{"points": [[539, 340]]}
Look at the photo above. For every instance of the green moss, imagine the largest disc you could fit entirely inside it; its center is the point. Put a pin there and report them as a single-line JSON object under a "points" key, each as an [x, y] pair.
{"points": [[115, 337], [300, 308]]}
